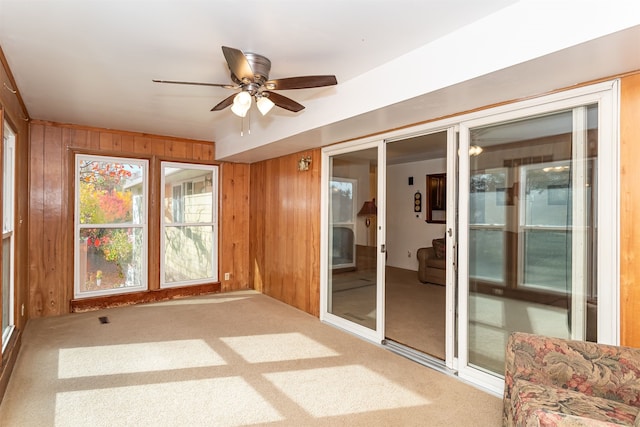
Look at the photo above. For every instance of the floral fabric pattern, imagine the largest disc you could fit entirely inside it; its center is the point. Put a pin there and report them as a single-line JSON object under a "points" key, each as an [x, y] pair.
{"points": [[557, 382]]}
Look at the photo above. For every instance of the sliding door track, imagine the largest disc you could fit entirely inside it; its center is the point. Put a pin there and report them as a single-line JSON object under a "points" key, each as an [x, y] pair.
{"points": [[417, 356]]}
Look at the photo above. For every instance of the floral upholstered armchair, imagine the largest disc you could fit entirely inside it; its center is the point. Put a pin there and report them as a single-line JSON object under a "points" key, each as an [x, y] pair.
{"points": [[556, 382]]}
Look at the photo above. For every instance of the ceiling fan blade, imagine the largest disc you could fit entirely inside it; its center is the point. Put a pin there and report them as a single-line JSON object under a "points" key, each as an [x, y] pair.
{"points": [[238, 63], [284, 102], [226, 86], [304, 82], [224, 103]]}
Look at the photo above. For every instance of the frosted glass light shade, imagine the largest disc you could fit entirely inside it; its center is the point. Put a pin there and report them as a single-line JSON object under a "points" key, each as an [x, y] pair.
{"points": [[241, 104], [264, 105]]}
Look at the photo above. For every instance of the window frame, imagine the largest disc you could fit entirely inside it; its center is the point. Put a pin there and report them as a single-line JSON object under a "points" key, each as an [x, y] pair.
{"points": [[143, 225], [215, 174], [8, 225]]}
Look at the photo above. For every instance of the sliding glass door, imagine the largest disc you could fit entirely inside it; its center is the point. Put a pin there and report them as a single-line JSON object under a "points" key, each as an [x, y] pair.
{"points": [[531, 222], [352, 249]]}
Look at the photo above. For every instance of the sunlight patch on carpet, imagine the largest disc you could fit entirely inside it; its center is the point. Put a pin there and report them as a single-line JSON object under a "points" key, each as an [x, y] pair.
{"points": [[227, 401], [277, 347], [138, 357], [321, 391]]}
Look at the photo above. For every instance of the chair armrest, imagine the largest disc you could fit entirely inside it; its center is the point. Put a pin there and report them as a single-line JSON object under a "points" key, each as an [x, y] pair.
{"points": [[594, 369], [424, 254]]}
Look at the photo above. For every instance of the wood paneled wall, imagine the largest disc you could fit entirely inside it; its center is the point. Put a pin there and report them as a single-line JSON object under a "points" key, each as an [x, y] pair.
{"points": [[630, 211], [51, 210], [285, 230], [15, 114], [234, 228]]}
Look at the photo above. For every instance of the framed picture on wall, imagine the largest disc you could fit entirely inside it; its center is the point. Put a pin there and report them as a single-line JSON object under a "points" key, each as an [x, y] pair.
{"points": [[436, 200]]}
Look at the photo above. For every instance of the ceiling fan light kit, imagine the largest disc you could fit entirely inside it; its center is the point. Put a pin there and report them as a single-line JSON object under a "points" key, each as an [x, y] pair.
{"points": [[264, 105], [241, 104], [250, 73]]}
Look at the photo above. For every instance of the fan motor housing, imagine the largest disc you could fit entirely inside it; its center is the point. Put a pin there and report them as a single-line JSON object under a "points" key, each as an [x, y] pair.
{"points": [[260, 65]]}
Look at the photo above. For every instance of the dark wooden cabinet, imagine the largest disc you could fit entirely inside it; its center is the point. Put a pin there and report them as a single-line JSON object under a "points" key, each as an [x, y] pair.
{"points": [[436, 202]]}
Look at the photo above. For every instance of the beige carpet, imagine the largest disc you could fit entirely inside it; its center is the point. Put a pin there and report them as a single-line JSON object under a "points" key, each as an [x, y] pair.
{"points": [[225, 360], [415, 312]]}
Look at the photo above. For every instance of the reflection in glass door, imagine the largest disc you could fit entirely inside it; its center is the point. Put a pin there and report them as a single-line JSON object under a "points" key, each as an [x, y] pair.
{"points": [[353, 283], [529, 212]]}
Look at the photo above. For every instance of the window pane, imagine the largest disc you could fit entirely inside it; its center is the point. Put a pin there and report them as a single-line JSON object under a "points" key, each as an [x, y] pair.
{"points": [[111, 238], [110, 258], [188, 253], [188, 195], [342, 203], [6, 284], [548, 195], [486, 260], [110, 192], [487, 198], [531, 203], [547, 259]]}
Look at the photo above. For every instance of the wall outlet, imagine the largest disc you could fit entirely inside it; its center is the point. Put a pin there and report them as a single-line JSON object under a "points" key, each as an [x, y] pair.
{"points": [[227, 276], [409, 254]]}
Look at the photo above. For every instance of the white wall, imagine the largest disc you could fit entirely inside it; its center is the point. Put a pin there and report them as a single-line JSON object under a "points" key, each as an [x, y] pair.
{"points": [[407, 230]]}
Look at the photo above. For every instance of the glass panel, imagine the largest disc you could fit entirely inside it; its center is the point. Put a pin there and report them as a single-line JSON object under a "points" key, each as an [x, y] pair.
{"points": [[188, 195], [531, 203], [343, 213], [353, 288], [6, 285], [8, 206], [547, 260], [486, 260], [188, 253], [107, 192], [189, 244], [110, 258]]}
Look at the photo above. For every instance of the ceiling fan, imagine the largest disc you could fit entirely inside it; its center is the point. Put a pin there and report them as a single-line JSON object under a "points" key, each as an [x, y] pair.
{"points": [[250, 74]]}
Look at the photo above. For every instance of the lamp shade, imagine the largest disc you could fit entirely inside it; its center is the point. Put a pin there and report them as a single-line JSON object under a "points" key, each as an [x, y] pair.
{"points": [[241, 104], [368, 208], [264, 105]]}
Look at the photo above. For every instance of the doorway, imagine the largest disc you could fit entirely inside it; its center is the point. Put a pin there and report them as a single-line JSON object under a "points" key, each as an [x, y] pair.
{"points": [[415, 271]]}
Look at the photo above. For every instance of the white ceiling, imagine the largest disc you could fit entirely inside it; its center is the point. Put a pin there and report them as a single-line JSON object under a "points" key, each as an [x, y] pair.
{"points": [[91, 62]]}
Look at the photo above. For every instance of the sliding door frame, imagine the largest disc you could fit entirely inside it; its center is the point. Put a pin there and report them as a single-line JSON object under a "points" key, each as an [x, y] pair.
{"points": [[606, 96], [376, 335]]}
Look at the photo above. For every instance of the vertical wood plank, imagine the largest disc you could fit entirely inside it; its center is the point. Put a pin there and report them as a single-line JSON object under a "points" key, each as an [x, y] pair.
{"points": [[256, 226], [79, 138], [629, 208], [234, 235], [106, 141], [53, 287], [36, 222], [117, 142], [126, 144]]}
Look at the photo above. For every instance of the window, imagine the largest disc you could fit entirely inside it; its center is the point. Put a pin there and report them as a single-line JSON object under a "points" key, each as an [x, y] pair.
{"points": [[110, 225], [8, 205], [343, 222], [487, 225], [189, 224]]}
